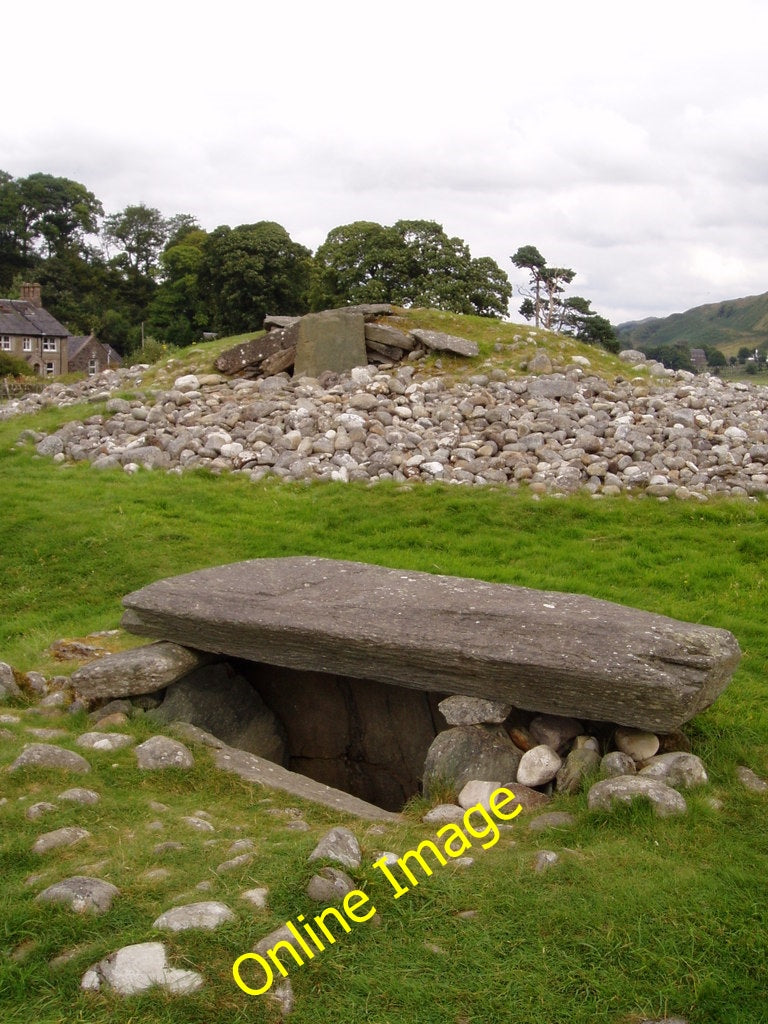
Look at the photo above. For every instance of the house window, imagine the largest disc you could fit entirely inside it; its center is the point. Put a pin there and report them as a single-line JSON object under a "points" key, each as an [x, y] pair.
{"points": [[93, 366], [49, 345], [49, 369], [5, 343], [26, 345]]}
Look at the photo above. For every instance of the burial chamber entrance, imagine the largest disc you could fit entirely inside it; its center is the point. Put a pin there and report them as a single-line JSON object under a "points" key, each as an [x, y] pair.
{"points": [[362, 736], [344, 663]]}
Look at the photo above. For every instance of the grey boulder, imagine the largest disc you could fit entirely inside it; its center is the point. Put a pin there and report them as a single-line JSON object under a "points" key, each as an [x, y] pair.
{"points": [[340, 845], [159, 752], [678, 769], [48, 755], [460, 710], [329, 885], [79, 795], [538, 766], [216, 699], [82, 893], [750, 780], [137, 968], [67, 836], [616, 762], [140, 670], [205, 915], [467, 752], [626, 788]]}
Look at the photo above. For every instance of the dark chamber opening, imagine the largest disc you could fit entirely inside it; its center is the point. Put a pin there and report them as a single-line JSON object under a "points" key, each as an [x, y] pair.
{"points": [[358, 735]]}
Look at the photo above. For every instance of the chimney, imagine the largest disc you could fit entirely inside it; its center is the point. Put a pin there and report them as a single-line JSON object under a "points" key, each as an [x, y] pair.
{"points": [[32, 293]]}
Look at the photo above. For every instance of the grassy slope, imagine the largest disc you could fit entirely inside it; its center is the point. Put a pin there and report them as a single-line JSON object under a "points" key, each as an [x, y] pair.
{"points": [[725, 325], [641, 917]]}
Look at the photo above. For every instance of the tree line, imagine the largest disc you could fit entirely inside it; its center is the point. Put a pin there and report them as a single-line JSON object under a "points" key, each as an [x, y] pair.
{"points": [[134, 272]]}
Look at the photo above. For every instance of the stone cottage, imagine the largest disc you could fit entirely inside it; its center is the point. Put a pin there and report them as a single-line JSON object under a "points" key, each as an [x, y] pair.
{"points": [[29, 332], [86, 354]]}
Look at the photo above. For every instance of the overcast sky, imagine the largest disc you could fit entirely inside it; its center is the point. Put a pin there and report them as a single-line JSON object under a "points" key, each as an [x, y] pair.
{"points": [[627, 141]]}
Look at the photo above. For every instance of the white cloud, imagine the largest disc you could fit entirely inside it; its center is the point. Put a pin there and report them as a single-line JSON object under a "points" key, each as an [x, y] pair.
{"points": [[626, 142]]}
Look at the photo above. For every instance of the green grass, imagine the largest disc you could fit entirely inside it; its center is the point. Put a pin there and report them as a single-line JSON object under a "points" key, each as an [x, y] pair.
{"points": [[641, 917], [506, 346]]}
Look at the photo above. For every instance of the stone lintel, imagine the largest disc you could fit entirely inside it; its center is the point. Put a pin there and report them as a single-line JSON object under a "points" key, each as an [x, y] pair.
{"points": [[544, 651]]}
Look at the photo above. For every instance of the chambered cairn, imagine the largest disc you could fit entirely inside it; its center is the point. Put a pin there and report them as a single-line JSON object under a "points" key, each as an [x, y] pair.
{"points": [[361, 686]]}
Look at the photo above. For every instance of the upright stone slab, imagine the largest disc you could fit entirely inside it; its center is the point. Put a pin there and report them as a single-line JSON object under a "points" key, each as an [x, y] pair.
{"points": [[538, 650], [333, 340]]}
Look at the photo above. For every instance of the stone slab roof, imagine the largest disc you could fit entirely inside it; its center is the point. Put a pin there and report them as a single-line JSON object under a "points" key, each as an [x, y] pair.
{"points": [[539, 650]]}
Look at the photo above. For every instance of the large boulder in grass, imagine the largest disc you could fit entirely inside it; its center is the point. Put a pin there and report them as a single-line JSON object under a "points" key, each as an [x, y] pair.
{"points": [[218, 700], [565, 654], [141, 670], [49, 755], [623, 789], [467, 752]]}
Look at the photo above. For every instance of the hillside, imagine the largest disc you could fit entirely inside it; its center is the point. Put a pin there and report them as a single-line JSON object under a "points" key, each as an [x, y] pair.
{"points": [[725, 325]]}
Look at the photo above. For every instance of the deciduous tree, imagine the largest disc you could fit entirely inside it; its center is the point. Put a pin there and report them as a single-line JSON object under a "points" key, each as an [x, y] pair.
{"points": [[358, 262], [139, 232], [412, 263], [58, 213], [177, 313], [252, 270]]}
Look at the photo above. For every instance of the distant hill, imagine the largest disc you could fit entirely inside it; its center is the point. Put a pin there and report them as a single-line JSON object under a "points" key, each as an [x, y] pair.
{"points": [[725, 325]]}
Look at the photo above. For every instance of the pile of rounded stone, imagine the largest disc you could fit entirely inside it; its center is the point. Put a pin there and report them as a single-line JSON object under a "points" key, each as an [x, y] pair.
{"points": [[538, 754], [97, 388], [558, 432]]}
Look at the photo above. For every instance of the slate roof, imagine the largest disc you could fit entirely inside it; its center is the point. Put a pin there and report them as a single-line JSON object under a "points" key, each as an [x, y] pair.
{"points": [[75, 343], [20, 317]]}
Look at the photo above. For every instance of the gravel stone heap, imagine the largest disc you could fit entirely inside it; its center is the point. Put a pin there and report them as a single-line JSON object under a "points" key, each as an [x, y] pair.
{"points": [[680, 435]]}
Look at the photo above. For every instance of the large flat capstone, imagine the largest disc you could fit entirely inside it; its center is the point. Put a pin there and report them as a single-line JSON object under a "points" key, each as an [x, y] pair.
{"points": [[565, 654]]}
